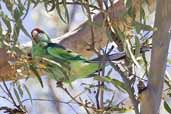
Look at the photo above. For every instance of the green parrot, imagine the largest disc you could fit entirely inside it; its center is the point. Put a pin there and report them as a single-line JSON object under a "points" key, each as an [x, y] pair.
{"points": [[61, 64]]}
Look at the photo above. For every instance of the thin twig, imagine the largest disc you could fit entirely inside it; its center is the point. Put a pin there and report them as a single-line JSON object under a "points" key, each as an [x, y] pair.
{"points": [[127, 83], [9, 94]]}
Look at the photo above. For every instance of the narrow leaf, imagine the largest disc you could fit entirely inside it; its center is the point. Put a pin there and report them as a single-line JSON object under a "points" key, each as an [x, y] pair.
{"points": [[33, 69], [137, 47], [20, 90], [18, 97], [29, 94], [25, 31], [142, 15], [66, 10], [167, 107], [118, 84], [58, 9], [131, 54]]}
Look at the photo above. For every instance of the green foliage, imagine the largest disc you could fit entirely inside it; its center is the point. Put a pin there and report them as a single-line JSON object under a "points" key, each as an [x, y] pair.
{"points": [[28, 92], [18, 97], [167, 107], [142, 27], [33, 68], [12, 14], [118, 84]]}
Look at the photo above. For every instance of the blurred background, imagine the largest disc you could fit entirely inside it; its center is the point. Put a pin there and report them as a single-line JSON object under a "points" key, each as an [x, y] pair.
{"points": [[45, 100]]}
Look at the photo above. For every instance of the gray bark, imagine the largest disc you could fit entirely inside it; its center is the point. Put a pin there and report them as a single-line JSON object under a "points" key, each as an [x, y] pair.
{"points": [[151, 97]]}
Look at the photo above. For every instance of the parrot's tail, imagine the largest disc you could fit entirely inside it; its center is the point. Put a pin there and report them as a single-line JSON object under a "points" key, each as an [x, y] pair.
{"points": [[111, 57]]}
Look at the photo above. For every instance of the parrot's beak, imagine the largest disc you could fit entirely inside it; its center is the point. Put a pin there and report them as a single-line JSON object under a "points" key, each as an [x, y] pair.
{"points": [[34, 35]]}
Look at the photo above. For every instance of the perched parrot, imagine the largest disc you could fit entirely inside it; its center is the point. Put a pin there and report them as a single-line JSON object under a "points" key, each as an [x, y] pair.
{"points": [[62, 64]]}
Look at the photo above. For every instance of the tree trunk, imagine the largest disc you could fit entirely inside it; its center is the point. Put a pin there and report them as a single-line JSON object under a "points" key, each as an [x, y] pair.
{"points": [[151, 97]]}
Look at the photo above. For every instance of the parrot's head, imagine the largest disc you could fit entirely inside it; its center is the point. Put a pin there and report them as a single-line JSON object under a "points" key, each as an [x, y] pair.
{"points": [[39, 35]]}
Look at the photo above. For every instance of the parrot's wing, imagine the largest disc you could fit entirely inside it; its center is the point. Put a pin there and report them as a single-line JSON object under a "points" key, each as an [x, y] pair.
{"points": [[54, 45], [78, 66], [63, 54]]}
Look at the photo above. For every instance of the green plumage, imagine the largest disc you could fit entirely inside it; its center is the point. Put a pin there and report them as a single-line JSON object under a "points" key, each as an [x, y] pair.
{"points": [[61, 64]]}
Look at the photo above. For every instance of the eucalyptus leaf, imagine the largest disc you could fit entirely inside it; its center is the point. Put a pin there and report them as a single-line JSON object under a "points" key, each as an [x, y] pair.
{"points": [[129, 50], [120, 34], [139, 26], [16, 32], [137, 47], [25, 31], [128, 3], [118, 84], [21, 5], [18, 97], [6, 21], [50, 5], [27, 9], [20, 90], [34, 70], [167, 107], [66, 11], [142, 15], [28, 92], [59, 11]]}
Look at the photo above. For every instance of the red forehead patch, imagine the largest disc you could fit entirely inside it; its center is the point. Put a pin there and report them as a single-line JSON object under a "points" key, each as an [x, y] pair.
{"points": [[37, 30]]}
